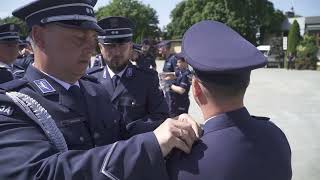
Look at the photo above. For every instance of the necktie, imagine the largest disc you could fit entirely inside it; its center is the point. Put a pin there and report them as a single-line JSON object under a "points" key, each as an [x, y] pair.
{"points": [[115, 81], [77, 96]]}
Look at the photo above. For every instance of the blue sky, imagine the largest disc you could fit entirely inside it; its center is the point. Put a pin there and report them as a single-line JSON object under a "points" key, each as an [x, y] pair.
{"points": [[164, 7]]}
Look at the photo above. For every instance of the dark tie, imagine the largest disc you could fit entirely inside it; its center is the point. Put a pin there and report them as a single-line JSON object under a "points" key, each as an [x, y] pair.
{"points": [[77, 96], [115, 81]]}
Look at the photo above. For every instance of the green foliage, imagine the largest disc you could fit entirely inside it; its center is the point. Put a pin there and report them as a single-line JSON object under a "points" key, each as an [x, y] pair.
{"points": [[307, 53], [144, 17], [21, 24], [294, 37], [245, 16]]}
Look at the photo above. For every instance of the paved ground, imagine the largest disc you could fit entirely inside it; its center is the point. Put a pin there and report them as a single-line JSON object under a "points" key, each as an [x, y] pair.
{"points": [[292, 100]]}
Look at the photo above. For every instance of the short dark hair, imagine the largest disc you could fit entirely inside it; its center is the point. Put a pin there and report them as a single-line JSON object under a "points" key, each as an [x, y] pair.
{"points": [[225, 86]]}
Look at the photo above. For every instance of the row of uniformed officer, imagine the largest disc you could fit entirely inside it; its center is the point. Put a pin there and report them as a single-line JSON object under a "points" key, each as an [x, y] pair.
{"points": [[133, 90], [9, 51], [57, 124]]}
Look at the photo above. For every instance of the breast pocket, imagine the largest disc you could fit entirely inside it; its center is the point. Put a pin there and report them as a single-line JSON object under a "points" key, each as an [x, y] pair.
{"points": [[76, 133], [132, 108]]}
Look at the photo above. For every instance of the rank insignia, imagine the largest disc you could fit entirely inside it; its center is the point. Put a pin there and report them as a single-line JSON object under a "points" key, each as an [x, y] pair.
{"points": [[44, 86]]}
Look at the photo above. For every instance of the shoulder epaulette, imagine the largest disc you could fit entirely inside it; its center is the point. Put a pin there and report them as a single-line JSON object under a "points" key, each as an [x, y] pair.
{"points": [[90, 78], [151, 71], [261, 118], [13, 85], [94, 70]]}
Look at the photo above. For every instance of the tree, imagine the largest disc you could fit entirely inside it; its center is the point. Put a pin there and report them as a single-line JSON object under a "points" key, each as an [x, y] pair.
{"points": [[22, 25], [253, 16], [144, 17], [307, 53], [293, 37]]}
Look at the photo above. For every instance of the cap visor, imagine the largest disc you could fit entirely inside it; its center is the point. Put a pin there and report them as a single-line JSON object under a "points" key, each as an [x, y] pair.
{"points": [[89, 25]]}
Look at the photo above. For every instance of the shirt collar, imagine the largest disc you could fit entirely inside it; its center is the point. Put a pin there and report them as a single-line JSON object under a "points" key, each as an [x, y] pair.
{"points": [[210, 118], [62, 83], [111, 73]]}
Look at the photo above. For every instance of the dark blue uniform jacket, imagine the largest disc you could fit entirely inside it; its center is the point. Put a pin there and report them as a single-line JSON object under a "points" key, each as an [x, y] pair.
{"points": [[236, 146], [137, 97], [92, 136]]}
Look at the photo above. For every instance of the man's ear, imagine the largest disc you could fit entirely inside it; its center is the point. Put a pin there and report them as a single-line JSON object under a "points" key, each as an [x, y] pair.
{"points": [[198, 92], [37, 34]]}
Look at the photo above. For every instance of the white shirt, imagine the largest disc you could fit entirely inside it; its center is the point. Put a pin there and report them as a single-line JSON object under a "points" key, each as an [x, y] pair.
{"points": [[62, 83], [209, 119], [111, 73]]}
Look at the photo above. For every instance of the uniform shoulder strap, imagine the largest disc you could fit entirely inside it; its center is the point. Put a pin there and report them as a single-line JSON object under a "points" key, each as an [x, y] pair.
{"points": [[261, 118], [40, 116], [94, 70]]}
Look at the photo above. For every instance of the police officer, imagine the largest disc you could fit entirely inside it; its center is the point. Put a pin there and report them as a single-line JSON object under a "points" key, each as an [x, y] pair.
{"points": [[98, 61], [56, 124], [164, 48], [235, 145], [170, 63], [135, 54], [180, 88], [9, 51], [147, 59], [134, 91], [26, 55]]}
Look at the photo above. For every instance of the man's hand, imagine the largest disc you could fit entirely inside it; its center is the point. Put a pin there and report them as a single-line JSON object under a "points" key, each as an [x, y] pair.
{"points": [[179, 134], [195, 126]]}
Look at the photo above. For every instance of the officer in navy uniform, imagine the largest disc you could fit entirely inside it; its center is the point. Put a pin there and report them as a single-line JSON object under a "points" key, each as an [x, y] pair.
{"points": [[170, 59], [98, 61], [179, 90], [235, 145], [56, 124], [146, 59], [9, 51], [134, 91], [27, 56], [136, 53]]}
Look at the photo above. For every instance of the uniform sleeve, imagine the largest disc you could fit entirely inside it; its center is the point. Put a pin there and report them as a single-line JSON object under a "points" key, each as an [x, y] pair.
{"points": [[26, 153], [184, 83], [156, 106]]}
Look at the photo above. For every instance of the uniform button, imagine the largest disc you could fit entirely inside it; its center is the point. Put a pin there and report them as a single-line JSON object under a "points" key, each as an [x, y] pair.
{"points": [[81, 138], [115, 121], [96, 135]]}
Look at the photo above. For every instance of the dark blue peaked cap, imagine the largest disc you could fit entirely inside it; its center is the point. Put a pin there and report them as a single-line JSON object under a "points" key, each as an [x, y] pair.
{"points": [[213, 48], [116, 30], [164, 43], [73, 13], [9, 32], [137, 47]]}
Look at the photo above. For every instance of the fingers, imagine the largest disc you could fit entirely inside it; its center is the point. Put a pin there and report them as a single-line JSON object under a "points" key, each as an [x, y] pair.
{"points": [[195, 126], [175, 134], [180, 144], [185, 134]]}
